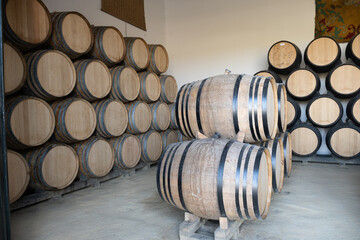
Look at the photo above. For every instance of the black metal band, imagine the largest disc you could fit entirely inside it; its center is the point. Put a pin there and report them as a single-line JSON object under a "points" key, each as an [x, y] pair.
{"points": [[177, 117], [187, 111], [244, 181], [284, 145], [183, 112], [255, 182], [235, 104], [250, 106], [164, 170], [157, 171], [198, 98], [264, 108], [279, 108], [169, 174], [273, 163], [237, 182], [257, 129]]}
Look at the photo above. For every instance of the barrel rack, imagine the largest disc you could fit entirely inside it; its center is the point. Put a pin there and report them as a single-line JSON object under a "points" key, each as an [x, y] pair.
{"points": [[326, 159]]}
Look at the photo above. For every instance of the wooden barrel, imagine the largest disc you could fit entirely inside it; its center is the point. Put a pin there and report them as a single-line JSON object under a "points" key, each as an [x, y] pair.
{"points": [[168, 137], [139, 117], [127, 149], [353, 110], [276, 150], [51, 74], [75, 120], [173, 124], [286, 141], [268, 73], [27, 23], [246, 103], [305, 139], [159, 59], [30, 122], [93, 79], [282, 107], [109, 45], [324, 111], [96, 157], [168, 88], [137, 53], [71, 33], [18, 175], [53, 166], [111, 117], [125, 84], [182, 138], [15, 70], [160, 116], [293, 112], [215, 178], [150, 87], [283, 57], [343, 81], [343, 140], [302, 84], [151, 146], [322, 54], [353, 49]]}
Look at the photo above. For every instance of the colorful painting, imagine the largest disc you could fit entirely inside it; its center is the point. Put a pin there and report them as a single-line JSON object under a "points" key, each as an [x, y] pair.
{"points": [[339, 19]]}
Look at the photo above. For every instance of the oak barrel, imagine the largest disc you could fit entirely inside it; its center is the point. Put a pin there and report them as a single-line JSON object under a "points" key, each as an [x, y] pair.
{"points": [[322, 54], [75, 120], [305, 139], [151, 146], [283, 57], [51, 74], [353, 49], [160, 116], [27, 23], [268, 73], [173, 124], [353, 110], [15, 70], [169, 136], [96, 157], [137, 53], [182, 138], [293, 112], [282, 107], [168, 88], [127, 149], [18, 175], [139, 117], [159, 59], [53, 166], [343, 81], [150, 87], [30, 122], [228, 104], [324, 110], [215, 178], [71, 33], [287, 145], [125, 84], [109, 45], [302, 84]]}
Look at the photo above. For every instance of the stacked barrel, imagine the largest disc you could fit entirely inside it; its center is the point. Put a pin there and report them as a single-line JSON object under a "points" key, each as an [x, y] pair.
{"points": [[80, 99], [323, 99]]}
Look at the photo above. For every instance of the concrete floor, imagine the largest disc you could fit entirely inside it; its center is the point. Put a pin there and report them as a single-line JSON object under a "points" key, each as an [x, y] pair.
{"points": [[319, 201]]}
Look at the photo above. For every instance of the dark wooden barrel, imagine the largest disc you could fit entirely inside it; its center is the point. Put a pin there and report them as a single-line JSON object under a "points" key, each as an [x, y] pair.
{"points": [[322, 54], [324, 111], [302, 84], [305, 139], [168, 88], [159, 59], [137, 53], [353, 49], [71, 33], [287, 145], [229, 178], [282, 107], [150, 87], [151, 146], [127, 149], [160, 116], [173, 124], [343, 81], [353, 110], [139, 117], [15, 69], [168, 137], [283, 57], [125, 83], [268, 73], [293, 112]]}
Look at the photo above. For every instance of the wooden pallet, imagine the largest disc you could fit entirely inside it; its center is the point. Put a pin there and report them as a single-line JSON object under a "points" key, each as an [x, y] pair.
{"points": [[326, 159], [82, 182]]}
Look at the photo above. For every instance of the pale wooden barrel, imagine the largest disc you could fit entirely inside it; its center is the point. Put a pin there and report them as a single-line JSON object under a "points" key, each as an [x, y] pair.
{"points": [[30, 122], [71, 33], [137, 53], [139, 117], [283, 57], [18, 175], [182, 138], [168, 88], [75, 120], [111, 117], [343, 81], [353, 110], [51, 74], [169, 136], [246, 103], [159, 59], [150, 87], [302, 84], [127, 149], [125, 84], [322, 54], [286, 140], [293, 112], [276, 150], [229, 179], [93, 79], [53, 166], [305, 139], [343, 140], [268, 73], [27, 23], [353, 49], [96, 157], [173, 124], [15, 70], [160, 116], [109, 45], [151, 146], [282, 107], [324, 111]]}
